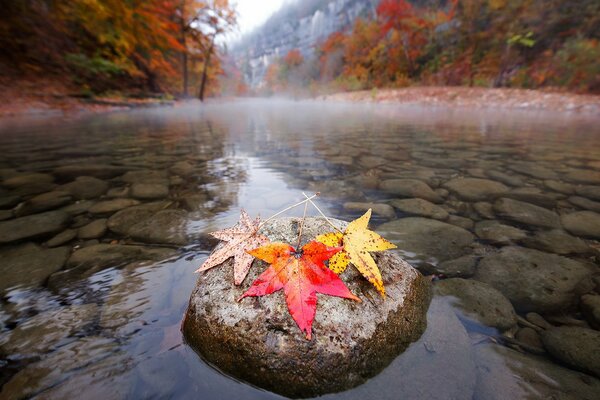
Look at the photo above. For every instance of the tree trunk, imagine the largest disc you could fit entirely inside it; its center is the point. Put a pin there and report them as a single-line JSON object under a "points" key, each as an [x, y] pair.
{"points": [[184, 61], [184, 55], [205, 69]]}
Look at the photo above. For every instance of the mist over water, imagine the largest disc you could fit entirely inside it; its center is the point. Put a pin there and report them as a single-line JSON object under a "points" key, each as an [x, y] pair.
{"points": [[111, 330]]}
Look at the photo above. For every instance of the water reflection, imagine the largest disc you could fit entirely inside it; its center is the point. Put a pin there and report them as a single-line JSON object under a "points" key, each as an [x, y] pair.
{"points": [[106, 318]]}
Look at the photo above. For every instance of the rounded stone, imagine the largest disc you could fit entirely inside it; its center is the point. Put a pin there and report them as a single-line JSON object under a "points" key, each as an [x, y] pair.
{"points": [[256, 339], [533, 280], [420, 207], [410, 188], [479, 301], [526, 213], [575, 346], [428, 240], [475, 189], [582, 223], [93, 230], [149, 191], [86, 187]]}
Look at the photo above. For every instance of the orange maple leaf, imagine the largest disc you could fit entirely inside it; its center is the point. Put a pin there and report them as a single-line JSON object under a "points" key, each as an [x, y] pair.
{"points": [[301, 275]]}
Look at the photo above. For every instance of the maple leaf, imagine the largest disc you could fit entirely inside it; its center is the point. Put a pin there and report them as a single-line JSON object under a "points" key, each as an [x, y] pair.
{"points": [[357, 241], [243, 236], [301, 275]]}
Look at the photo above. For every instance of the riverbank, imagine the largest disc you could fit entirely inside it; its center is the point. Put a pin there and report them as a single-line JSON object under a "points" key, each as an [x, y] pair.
{"points": [[50, 98], [37, 97], [476, 98]]}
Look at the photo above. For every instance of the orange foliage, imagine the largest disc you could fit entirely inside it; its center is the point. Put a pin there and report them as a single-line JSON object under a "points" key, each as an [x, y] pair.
{"points": [[293, 58]]}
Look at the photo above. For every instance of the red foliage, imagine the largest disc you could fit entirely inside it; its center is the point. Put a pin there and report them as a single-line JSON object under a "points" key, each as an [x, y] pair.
{"points": [[301, 278], [293, 58]]}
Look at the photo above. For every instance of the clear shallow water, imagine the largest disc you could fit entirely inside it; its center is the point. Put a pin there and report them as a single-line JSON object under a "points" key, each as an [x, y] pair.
{"points": [[111, 329]]}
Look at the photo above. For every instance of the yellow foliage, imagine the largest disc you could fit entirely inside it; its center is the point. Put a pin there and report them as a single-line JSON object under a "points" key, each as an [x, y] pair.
{"points": [[357, 241]]}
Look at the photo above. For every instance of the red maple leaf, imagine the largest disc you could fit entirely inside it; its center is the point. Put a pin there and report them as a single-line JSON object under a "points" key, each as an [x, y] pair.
{"points": [[301, 275]]}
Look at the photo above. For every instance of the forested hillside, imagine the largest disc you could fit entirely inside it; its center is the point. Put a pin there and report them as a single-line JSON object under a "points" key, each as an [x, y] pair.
{"points": [[141, 46], [489, 43]]}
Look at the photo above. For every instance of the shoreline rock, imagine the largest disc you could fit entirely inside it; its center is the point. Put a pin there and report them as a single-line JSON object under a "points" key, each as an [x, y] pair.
{"points": [[256, 340]]}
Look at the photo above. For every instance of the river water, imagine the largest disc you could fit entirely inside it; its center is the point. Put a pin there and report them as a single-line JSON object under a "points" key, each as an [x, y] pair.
{"points": [[103, 220]]}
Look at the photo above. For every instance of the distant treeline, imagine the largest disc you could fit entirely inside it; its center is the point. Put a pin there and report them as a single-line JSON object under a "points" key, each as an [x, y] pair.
{"points": [[491, 43], [150, 46]]}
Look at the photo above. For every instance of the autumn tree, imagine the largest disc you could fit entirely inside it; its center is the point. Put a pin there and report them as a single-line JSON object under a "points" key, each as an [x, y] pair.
{"points": [[212, 20], [331, 56]]}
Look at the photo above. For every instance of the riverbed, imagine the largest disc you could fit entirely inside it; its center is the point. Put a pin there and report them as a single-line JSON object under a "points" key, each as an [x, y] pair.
{"points": [[105, 218]]}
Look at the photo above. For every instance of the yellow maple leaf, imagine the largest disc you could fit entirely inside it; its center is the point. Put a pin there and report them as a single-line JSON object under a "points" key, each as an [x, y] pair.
{"points": [[357, 241]]}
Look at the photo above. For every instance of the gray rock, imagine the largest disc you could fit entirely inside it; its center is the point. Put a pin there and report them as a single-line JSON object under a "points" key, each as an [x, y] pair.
{"points": [[111, 206], [538, 320], [101, 171], [95, 257], [583, 176], [410, 188], [46, 330], [385, 210], [194, 201], [118, 192], [585, 203], [29, 265], [6, 214], [495, 232], [459, 221], [257, 340], [62, 238], [582, 223], [79, 207], [86, 187], [27, 179], [556, 241], [43, 202], [532, 280], [8, 201], [590, 307], [575, 346], [505, 178], [166, 226], [420, 207], [110, 255], [462, 267], [33, 189], [530, 338], [427, 240], [182, 168], [559, 186], [484, 209], [526, 213], [474, 189], [532, 196], [33, 226], [93, 230], [533, 169], [505, 374], [60, 368], [478, 301], [591, 192], [146, 176], [122, 221], [445, 347], [149, 191]]}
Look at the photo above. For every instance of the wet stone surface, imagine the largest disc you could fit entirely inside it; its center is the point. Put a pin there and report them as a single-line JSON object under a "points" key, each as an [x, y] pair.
{"points": [[257, 340]]}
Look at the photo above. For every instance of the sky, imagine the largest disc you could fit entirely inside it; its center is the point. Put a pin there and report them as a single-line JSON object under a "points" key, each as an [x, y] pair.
{"points": [[252, 13]]}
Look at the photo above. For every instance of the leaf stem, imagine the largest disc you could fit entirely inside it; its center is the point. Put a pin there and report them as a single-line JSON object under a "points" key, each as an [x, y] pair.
{"points": [[287, 209], [309, 199], [302, 225]]}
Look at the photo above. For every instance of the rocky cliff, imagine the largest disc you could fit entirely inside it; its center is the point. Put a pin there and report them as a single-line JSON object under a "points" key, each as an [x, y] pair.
{"points": [[299, 25]]}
